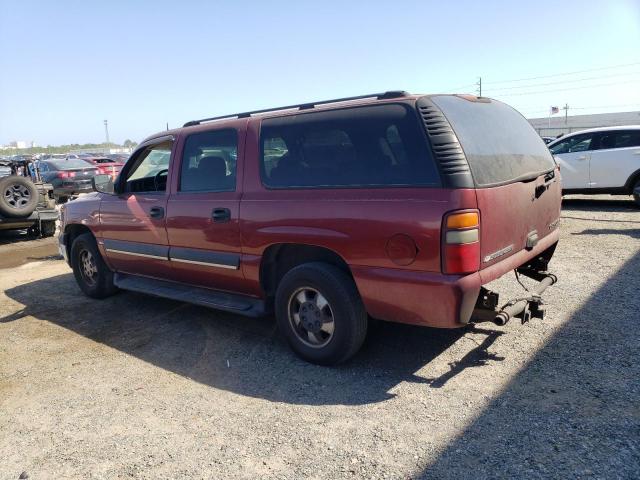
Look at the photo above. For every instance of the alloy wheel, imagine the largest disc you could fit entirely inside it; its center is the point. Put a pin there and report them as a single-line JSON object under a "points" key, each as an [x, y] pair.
{"points": [[88, 267], [17, 196], [311, 317]]}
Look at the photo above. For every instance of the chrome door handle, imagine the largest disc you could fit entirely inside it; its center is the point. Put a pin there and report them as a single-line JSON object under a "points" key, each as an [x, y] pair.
{"points": [[221, 215], [583, 157], [156, 212]]}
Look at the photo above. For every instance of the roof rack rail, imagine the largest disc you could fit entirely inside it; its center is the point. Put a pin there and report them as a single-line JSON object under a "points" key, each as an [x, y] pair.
{"points": [[302, 106]]}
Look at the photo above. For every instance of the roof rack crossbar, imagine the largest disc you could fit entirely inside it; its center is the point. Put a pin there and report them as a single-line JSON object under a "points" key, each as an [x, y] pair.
{"points": [[301, 106]]}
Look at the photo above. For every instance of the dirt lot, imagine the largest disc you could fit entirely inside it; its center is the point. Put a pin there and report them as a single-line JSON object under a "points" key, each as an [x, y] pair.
{"points": [[139, 387]]}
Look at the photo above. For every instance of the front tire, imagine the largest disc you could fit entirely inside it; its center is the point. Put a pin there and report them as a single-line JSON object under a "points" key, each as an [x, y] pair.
{"points": [[320, 313], [92, 275]]}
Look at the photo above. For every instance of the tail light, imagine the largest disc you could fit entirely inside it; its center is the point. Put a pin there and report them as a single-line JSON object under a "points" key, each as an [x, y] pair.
{"points": [[108, 171], [66, 174], [461, 242]]}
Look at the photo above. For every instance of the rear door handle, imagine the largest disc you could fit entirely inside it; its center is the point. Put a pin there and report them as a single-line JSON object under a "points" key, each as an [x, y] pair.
{"points": [[221, 215], [582, 157], [156, 212]]}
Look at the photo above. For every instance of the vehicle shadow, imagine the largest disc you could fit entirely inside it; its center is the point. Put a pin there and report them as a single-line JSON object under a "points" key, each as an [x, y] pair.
{"points": [[613, 204], [632, 232], [12, 236], [243, 355], [572, 411], [477, 357]]}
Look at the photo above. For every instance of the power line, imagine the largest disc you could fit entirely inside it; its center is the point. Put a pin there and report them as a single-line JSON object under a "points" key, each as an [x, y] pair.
{"points": [[565, 89], [532, 108], [527, 112], [461, 87], [609, 106], [564, 81], [566, 73]]}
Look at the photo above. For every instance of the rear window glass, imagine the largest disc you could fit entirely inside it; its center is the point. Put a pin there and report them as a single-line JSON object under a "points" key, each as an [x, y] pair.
{"points": [[70, 164], [365, 146], [499, 143]]}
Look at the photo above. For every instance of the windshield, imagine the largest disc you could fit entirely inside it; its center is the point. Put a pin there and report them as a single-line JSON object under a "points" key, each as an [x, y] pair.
{"points": [[499, 143], [71, 164]]}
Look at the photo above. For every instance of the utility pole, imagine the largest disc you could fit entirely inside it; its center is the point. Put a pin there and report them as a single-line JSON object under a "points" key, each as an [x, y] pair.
{"points": [[566, 112], [479, 84], [106, 132]]}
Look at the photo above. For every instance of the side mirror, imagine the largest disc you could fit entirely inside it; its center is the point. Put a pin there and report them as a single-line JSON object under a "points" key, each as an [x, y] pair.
{"points": [[103, 184]]}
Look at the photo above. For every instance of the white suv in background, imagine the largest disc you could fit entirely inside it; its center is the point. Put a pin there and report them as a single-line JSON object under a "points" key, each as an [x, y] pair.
{"points": [[600, 160]]}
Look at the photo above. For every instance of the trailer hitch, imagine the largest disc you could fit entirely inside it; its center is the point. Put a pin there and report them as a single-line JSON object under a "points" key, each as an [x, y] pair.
{"points": [[525, 308]]}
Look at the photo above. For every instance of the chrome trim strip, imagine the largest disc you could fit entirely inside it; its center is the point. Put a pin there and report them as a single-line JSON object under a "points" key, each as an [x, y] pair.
{"points": [[123, 252], [499, 253], [206, 264]]}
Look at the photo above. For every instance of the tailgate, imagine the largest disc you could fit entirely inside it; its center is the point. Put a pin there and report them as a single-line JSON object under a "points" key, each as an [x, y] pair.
{"points": [[512, 214], [516, 180]]}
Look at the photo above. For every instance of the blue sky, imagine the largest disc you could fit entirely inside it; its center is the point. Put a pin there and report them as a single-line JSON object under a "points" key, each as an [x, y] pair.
{"points": [[65, 66]]}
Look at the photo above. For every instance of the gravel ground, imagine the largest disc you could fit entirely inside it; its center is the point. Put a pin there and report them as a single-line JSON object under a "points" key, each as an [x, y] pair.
{"points": [[138, 387]]}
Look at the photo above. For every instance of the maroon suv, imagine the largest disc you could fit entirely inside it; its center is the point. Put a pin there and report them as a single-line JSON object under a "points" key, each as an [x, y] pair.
{"points": [[393, 206]]}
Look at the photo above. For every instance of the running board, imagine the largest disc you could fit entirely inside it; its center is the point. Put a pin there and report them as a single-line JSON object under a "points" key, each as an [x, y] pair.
{"points": [[240, 304]]}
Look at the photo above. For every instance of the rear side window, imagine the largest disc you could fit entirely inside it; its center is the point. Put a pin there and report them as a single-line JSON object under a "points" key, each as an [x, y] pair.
{"points": [[209, 162], [500, 145], [379, 145], [620, 139]]}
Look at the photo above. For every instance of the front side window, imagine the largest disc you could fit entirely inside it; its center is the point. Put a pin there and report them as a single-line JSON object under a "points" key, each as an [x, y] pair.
{"points": [[209, 162], [367, 146], [150, 169], [577, 143]]}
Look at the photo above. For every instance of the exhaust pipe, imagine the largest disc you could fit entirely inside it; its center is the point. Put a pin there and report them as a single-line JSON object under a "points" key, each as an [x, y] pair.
{"points": [[520, 306]]}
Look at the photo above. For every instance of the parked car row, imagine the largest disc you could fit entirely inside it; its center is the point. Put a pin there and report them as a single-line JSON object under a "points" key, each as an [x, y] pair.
{"points": [[25, 201], [70, 174]]}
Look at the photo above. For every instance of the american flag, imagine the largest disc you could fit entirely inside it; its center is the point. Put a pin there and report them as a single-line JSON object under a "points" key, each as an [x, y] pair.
{"points": [[554, 110]]}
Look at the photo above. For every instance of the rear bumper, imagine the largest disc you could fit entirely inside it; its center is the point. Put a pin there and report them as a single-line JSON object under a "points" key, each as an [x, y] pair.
{"points": [[68, 190], [7, 223], [431, 298]]}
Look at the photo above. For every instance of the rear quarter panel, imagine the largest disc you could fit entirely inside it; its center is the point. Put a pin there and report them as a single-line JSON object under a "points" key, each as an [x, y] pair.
{"points": [[357, 225]]}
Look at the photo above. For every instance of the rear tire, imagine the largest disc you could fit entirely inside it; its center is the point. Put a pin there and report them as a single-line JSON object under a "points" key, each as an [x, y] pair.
{"points": [[320, 313], [92, 274], [18, 196], [636, 193]]}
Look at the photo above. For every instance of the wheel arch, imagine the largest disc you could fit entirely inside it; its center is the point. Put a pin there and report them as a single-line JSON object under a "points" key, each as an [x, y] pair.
{"points": [[631, 181], [73, 231], [279, 258]]}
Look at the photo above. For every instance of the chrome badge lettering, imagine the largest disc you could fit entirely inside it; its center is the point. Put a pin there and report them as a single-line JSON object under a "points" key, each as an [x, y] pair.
{"points": [[499, 253]]}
